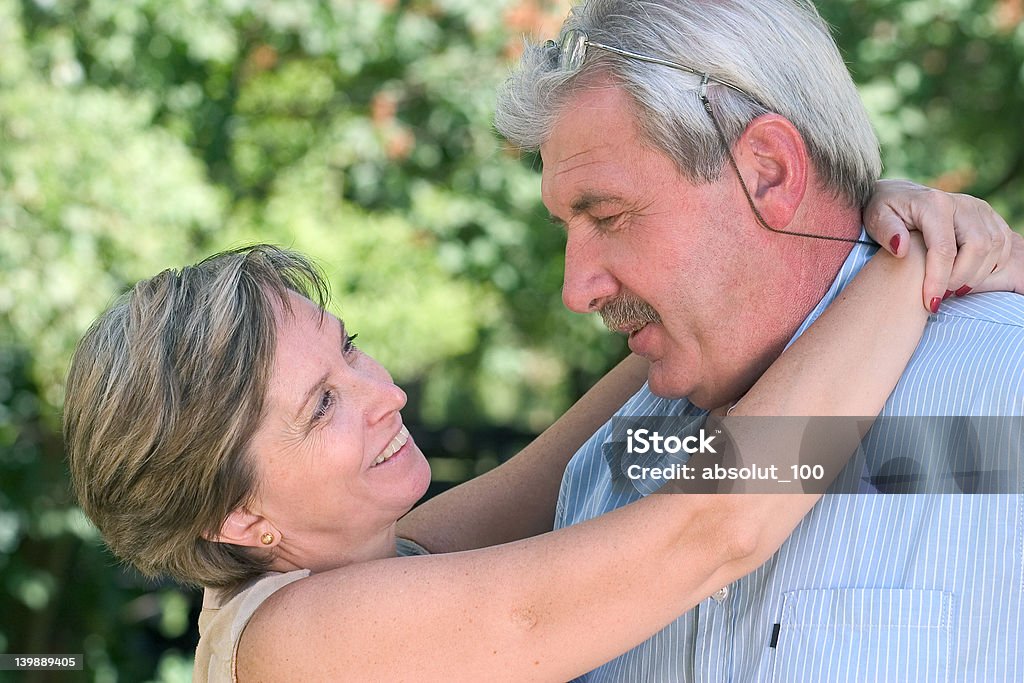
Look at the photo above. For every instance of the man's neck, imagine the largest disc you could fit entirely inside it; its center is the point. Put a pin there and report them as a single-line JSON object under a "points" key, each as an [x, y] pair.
{"points": [[809, 267]]}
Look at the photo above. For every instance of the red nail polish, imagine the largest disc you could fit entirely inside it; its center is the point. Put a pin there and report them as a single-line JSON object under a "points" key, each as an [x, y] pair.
{"points": [[963, 290], [935, 304], [894, 243], [949, 293]]}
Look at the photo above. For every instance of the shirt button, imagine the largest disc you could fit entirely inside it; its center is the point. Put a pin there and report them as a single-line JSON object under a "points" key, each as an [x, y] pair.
{"points": [[721, 594]]}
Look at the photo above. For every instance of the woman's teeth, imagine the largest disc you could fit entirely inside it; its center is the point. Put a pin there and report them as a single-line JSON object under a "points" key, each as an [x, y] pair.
{"points": [[396, 443]]}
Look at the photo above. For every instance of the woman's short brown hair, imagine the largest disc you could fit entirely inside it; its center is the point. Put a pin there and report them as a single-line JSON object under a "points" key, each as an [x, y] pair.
{"points": [[164, 394]]}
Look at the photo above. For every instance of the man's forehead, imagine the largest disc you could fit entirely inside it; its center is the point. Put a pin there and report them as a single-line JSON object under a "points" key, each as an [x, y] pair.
{"points": [[595, 109], [595, 128], [588, 159], [578, 181], [593, 171]]}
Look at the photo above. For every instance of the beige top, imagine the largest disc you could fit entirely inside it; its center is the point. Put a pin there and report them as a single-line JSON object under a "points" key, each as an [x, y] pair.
{"points": [[226, 613], [223, 619]]}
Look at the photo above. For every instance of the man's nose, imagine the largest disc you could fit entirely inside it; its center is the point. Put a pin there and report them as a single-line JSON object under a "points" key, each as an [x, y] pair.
{"points": [[587, 283]]}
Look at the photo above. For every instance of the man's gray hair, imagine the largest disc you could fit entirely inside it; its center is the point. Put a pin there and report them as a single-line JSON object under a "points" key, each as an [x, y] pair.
{"points": [[780, 52]]}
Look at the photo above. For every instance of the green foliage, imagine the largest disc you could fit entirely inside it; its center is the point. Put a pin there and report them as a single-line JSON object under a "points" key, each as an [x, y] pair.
{"points": [[95, 198], [387, 283], [137, 135], [944, 81]]}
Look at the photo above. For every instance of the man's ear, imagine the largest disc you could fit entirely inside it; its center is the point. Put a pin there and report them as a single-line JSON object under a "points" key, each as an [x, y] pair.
{"points": [[773, 160], [242, 527]]}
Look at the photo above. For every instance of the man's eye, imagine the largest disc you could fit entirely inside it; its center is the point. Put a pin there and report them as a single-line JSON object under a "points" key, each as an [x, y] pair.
{"points": [[605, 223]]}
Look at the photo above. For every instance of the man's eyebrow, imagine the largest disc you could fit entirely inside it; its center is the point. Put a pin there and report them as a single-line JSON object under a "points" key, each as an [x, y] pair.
{"points": [[588, 200], [320, 382], [584, 202]]}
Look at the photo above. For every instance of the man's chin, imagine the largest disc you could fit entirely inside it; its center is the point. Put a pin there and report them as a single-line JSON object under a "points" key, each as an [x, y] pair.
{"points": [[665, 384], [673, 386]]}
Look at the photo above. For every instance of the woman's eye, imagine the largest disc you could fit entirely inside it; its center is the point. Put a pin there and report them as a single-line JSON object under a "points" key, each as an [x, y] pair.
{"points": [[326, 401], [349, 345]]}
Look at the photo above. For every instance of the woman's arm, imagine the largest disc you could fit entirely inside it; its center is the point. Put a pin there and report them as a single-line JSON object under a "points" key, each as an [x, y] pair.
{"points": [[871, 319], [514, 612], [517, 499]]}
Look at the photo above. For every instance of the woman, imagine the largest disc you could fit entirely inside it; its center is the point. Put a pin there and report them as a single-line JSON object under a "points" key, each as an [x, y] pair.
{"points": [[222, 429]]}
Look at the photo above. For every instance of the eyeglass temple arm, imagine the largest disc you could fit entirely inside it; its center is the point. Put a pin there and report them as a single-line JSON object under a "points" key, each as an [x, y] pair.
{"points": [[706, 78]]}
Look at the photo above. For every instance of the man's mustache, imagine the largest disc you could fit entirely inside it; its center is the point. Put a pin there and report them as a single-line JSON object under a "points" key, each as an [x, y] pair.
{"points": [[628, 313]]}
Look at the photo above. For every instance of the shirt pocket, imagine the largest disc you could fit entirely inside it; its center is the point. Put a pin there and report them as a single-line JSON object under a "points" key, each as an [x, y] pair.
{"points": [[863, 634]]}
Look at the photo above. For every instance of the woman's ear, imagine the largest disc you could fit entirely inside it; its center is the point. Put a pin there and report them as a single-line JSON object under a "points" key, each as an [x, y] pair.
{"points": [[773, 159], [245, 528]]}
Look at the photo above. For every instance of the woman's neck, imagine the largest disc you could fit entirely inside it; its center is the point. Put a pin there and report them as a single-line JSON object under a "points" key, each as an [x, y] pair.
{"points": [[322, 553]]}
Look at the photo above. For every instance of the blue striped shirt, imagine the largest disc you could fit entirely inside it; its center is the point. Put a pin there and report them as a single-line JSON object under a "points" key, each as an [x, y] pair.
{"points": [[868, 587]]}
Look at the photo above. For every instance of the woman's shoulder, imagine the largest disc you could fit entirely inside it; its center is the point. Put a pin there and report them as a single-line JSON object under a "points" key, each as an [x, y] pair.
{"points": [[226, 613], [224, 616]]}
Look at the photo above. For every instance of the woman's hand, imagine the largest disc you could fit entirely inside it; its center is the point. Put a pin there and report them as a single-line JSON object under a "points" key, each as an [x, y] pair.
{"points": [[967, 241], [1008, 275]]}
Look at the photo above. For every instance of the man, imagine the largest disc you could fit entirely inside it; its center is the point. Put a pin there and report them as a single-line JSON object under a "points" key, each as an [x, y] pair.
{"points": [[709, 162]]}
